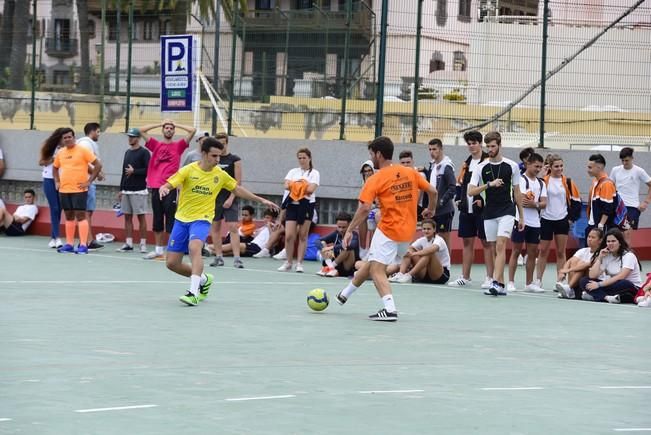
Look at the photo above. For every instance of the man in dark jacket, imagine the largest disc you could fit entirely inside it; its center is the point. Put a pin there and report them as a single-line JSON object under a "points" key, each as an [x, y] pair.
{"points": [[443, 179]]}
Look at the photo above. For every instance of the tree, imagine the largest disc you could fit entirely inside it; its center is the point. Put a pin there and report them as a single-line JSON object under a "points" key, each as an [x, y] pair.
{"points": [[19, 45], [84, 47]]}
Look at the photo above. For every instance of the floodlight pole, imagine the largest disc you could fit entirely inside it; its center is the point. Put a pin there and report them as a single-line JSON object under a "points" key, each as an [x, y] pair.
{"points": [[543, 71], [379, 101]]}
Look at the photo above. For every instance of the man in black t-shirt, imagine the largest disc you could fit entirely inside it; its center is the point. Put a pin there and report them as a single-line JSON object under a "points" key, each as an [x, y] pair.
{"points": [[227, 207], [499, 179]]}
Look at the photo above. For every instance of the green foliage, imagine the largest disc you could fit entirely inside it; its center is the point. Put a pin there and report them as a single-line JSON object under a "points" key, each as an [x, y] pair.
{"points": [[455, 95]]}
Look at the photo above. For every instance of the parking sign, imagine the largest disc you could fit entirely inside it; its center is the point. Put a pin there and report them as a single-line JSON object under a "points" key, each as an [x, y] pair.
{"points": [[177, 59]]}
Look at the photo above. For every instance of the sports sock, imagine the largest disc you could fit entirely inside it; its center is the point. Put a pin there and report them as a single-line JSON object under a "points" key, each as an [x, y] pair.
{"points": [[70, 232], [159, 250], [143, 241], [129, 241], [329, 263], [194, 284], [236, 259], [83, 232], [349, 290], [204, 279], [389, 304]]}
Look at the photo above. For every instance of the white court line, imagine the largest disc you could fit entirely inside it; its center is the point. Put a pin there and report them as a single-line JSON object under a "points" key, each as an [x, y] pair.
{"points": [[145, 282], [112, 352], [511, 388], [5, 419], [242, 399], [115, 408], [390, 391], [634, 429], [626, 387]]}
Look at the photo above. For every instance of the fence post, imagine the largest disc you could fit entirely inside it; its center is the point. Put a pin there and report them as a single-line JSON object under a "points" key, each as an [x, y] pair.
{"points": [[344, 96], [543, 72], [129, 56], [32, 106], [118, 19], [215, 64], [101, 66], [231, 97], [414, 120], [379, 99]]}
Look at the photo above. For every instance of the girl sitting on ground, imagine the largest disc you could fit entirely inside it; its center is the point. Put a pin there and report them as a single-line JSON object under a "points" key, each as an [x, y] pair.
{"points": [[577, 266], [427, 259]]}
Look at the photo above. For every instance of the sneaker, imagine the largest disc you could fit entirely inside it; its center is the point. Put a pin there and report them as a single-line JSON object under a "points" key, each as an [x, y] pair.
{"points": [[82, 250], [237, 264], [404, 278], [299, 268], [324, 271], [52, 244], [94, 245], [644, 303], [488, 282], [205, 289], [384, 316], [341, 299], [286, 267], [282, 255], [153, 255], [522, 260], [534, 287], [332, 273], [189, 299], [496, 290], [613, 299], [66, 249], [218, 261], [510, 287], [124, 248], [58, 244], [564, 290], [395, 276], [143, 248], [587, 297], [460, 282], [205, 252], [264, 253]]}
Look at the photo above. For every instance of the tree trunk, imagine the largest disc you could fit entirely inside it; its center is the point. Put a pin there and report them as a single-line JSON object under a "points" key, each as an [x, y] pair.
{"points": [[19, 46], [7, 33], [180, 16], [84, 48]]}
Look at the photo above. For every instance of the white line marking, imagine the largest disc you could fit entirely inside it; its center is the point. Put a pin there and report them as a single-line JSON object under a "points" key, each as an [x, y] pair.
{"points": [[144, 282], [116, 408], [390, 391], [241, 399], [626, 387], [112, 352], [5, 419], [511, 388], [634, 429]]}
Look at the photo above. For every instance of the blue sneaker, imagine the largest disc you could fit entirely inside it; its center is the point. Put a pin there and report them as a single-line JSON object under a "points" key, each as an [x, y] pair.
{"points": [[66, 249], [82, 249]]}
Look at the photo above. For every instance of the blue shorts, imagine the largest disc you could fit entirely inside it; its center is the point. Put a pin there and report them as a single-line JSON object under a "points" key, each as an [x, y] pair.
{"points": [[183, 232], [91, 198], [471, 225]]}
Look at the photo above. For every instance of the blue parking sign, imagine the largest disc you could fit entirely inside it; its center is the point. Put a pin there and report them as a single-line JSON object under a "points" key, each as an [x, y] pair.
{"points": [[177, 61]]}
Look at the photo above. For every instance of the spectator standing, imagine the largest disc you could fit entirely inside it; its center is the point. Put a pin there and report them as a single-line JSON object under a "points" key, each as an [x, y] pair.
{"points": [[601, 201], [50, 147], [92, 132], [443, 180]]}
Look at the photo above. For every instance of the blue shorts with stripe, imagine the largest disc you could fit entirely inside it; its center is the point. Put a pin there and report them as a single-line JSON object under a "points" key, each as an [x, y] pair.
{"points": [[183, 232]]}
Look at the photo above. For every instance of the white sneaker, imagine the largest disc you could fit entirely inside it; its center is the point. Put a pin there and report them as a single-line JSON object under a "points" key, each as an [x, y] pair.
{"points": [[522, 260], [646, 302], [264, 253], [534, 287], [52, 244], [58, 244], [510, 287], [282, 255], [324, 271], [143, 248], [460, 282], [613, 299], [564, 290], [394, 276], [286, 267], [299, 268], [153, 255], [587, 297], [488, 282], [404, 278], [332, 273]]}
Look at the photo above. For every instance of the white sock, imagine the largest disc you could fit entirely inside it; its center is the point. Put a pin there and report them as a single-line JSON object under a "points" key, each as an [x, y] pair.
{"points": [[143, 241], [330, 263], [389, 305], [204, 279], [194, 284], [349, 290], [129, 241], [159, 250]]}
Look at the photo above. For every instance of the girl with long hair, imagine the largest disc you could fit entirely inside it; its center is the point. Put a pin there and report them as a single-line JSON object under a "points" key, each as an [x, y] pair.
{"points": [[48, 150]]}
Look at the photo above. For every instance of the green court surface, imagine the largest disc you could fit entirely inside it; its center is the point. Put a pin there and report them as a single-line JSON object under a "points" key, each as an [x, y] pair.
{"points": [[99, 344]]}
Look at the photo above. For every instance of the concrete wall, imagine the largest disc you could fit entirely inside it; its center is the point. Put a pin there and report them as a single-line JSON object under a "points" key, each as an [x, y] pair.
{"points": [[266, 161]]}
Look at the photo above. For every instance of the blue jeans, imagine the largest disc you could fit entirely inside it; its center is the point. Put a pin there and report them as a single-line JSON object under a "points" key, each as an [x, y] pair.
{"points": [[624, 288], [52, 196]]}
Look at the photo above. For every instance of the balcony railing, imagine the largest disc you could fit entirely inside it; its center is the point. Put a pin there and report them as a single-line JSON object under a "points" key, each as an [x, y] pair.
{"points": [[61, 47]]}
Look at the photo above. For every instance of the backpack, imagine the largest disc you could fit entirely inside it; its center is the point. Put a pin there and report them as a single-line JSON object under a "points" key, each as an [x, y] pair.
{"points": [[313, 247], [620, 215], [573, 206]]}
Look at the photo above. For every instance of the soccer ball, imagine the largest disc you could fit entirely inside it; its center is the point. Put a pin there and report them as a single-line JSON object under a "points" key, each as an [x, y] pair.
{"points": [[317, 299]]}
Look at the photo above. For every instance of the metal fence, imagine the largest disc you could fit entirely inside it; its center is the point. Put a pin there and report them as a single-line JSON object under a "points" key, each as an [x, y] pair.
{"points": [[312, 69]]}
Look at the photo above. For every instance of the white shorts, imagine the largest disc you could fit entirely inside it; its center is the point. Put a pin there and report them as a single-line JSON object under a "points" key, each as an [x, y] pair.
{"points": [[499, 227], [384, 250]]}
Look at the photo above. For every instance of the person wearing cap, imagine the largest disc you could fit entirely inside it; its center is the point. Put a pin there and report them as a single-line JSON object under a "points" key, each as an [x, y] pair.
{"points": [[165, 161], [133, 190], [195, 155]]}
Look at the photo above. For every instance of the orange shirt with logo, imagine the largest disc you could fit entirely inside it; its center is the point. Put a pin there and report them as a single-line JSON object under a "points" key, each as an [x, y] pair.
{"points": [[247, 228], [72, 164], [396, 187]]}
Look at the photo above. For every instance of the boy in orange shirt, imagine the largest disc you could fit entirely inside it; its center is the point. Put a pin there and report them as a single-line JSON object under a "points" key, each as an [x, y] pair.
{"points": [[397, 189], [70, 171]]}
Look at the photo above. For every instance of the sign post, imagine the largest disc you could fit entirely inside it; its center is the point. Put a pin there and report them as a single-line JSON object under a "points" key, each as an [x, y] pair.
{"points": [[177, 64]]}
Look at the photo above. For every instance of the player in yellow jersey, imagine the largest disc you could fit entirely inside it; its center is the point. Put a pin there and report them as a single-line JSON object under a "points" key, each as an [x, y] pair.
{"points": [[200, 182]]}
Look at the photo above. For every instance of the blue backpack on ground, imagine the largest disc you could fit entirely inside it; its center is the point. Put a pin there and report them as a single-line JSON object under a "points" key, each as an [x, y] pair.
{"points": [[313, 247]]}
